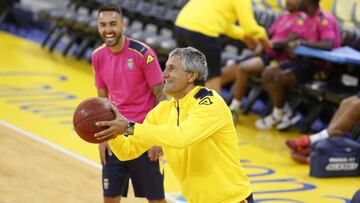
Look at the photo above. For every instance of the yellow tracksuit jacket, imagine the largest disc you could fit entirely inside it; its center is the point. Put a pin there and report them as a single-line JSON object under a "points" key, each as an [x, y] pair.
{"points": [[199, 142]]}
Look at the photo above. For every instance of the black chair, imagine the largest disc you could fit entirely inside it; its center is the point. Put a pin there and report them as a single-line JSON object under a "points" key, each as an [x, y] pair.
{"points": [[326, 96], [71, 21], [55, 16], [349, 36], [143, 9], [157, 10], [78, 31], [5, 8], [168, 19], [90, 39], [129, 8]]}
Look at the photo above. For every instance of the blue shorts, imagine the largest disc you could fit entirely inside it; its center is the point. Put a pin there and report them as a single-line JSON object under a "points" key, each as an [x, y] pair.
{"points": [[266, 60], [145, 176], [209, 46], [358, 94], [243, 57], [304, 70]]}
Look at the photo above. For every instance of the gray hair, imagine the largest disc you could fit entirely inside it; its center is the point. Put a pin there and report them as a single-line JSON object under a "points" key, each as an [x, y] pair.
{"points": [[192, 60]]}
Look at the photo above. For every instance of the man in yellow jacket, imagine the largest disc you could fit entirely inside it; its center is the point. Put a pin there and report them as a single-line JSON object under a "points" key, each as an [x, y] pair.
{"points": [[196, 132], [200, 24]]}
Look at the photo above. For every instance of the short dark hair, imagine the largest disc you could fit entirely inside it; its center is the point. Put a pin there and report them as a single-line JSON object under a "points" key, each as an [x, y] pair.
{"points": [[110, 7], [315, 2]]}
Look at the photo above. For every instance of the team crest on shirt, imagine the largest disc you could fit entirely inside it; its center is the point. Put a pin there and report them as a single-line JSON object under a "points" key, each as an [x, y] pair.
{"points": [[325, 22], [299, 22], [130, 64]]}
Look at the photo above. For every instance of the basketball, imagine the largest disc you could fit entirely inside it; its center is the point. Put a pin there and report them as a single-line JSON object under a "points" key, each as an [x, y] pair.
{"points": [[88, 113]]}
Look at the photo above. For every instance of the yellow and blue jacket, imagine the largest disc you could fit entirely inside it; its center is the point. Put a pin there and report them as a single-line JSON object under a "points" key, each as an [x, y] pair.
{"points": [[200, 143]]}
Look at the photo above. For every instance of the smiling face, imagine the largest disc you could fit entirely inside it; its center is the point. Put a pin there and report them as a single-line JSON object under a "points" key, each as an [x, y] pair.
{"points": [[110, 27], [178, 82]]}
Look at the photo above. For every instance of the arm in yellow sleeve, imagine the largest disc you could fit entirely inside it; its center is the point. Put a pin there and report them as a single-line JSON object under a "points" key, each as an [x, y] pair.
{"points": [[236, 32], [131, 147], [202, 121], [128, 148], [245, 13]]}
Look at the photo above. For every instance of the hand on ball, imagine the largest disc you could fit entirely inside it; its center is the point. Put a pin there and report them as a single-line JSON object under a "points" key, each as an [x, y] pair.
{"points": [[115, 127]]}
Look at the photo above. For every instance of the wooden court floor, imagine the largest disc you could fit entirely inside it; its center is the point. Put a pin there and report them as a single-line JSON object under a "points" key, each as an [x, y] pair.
{"points": [[33, 172], [42, 159]]}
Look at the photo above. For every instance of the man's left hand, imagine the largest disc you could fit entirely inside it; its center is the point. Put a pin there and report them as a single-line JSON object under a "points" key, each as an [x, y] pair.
{"points": [[291, 46], [154, 153], [115, 127]]}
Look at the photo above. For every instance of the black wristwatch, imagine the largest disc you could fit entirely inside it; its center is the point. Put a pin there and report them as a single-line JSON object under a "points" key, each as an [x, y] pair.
{"points": [[130, 128]]}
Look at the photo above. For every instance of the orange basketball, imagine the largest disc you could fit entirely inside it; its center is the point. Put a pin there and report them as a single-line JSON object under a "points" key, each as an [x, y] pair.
{"points": [[88, 113]]}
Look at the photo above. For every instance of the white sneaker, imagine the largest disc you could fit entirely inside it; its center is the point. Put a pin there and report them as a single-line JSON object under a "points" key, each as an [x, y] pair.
{"points": [[295, 119], [284, 124], [287, 110], [287, 121], [267, 122]]}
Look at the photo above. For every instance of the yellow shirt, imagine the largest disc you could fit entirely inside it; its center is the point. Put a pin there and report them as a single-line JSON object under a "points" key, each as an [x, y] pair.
{"points": [[199, 142], [216, 17]]}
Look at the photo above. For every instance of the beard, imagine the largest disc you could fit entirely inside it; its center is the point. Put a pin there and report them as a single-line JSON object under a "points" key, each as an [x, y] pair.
{"points": [[112, 42]]}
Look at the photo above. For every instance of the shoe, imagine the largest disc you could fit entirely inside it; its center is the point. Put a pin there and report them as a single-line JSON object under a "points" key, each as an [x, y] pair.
{"points": [[300, 158], [267, 122], [295, 119], [284, 124], [287, 110], [303, 151], [300, 144], [287, 121]]}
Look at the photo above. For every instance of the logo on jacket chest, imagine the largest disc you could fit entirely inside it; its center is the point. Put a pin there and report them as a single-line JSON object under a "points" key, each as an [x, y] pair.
{"points": [[130, 63], [205, 101]]}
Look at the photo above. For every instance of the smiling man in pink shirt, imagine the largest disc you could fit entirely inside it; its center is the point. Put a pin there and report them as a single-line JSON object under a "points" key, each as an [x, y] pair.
{"points": [[321, 32], [128, 73]]}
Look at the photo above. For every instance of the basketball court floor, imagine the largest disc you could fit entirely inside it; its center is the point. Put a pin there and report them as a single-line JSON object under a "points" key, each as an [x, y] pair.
{"points": [[43, 160]]}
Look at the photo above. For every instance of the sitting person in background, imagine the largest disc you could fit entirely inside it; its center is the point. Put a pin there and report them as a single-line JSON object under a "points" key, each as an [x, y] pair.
{"points": [[344, 119], [288, 27], [321, 32], [200, 24]]}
